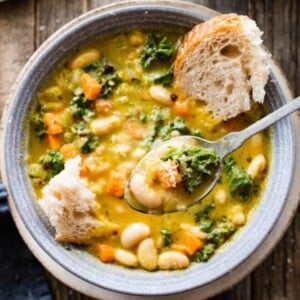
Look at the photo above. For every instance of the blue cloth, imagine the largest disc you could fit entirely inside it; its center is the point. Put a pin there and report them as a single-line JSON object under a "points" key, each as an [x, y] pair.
{"points": [[21, 275]]}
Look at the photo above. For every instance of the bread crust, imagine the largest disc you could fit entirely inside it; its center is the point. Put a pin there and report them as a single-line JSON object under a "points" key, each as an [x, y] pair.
{"points": [[227, 23], [244, 74]]}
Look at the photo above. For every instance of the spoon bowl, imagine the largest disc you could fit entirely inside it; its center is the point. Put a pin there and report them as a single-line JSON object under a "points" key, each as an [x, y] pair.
{"points": [[143, 195], [148, 197]]}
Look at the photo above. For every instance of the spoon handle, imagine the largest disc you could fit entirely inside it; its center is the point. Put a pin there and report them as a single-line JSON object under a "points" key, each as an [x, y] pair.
{"points": [[234, 140]]}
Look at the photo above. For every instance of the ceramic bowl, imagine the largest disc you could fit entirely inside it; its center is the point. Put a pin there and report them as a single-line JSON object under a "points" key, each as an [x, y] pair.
{"points": [[77, 268]]}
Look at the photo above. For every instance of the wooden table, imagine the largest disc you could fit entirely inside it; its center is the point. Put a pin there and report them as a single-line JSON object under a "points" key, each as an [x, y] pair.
{"points": [[25, 24]]}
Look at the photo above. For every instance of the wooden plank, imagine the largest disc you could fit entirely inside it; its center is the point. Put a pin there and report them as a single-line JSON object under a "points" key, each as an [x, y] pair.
{"points": [[16, 45], [279, 276], [91, 4], [51, 15]]}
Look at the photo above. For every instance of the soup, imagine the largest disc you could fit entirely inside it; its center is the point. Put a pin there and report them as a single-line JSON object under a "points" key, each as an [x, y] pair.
{"points": [[102, 110]]}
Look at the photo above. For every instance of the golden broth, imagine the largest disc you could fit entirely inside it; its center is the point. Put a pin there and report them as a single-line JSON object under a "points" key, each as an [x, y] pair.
{"points": [[120, 148]]}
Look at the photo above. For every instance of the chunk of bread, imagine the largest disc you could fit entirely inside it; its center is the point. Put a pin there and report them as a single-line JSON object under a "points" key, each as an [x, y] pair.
{"points": [[70, 206], [223, 63]]}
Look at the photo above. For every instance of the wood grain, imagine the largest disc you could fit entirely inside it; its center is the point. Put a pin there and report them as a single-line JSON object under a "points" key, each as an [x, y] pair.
{"points": [[16, 45], [24, 25]]}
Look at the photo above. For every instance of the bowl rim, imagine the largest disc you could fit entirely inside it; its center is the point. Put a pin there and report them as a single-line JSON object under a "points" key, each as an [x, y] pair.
{"points": [[74, 281]]}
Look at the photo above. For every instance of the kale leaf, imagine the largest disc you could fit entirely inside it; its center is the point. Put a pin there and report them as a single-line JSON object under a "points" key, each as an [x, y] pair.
{"points": [[218, 231], [179, 126], [85, 140], [157, 48], [158, 118], [203, 219], [205, 253], [222, 230], [166, 237], [37, 121], [81, 108], [167, 131], [165, 79], [89, 144], [52, 162], [105, 74], [239, 181], [195, 165]]}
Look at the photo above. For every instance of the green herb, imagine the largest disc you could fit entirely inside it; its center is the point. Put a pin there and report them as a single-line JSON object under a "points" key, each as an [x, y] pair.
{"points": [[84, 139], [37, 173], [218, 232], [165, 79], [81, 108], [157, 117], [37, 121], [52, 162], [222, 230], [166, 237], [195, 165], [239, 181], [157, 48], [205, 253], [143, 117], [203, 219], [178, 126], [80, 129], [105, 74], [89, 144]]}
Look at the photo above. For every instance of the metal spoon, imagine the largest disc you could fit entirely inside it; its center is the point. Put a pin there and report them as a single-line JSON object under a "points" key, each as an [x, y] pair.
{"points": [[222, 147]]}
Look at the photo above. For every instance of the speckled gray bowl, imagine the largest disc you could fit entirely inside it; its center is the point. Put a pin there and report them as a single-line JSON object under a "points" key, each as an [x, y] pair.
{"points": [[78, 269]]}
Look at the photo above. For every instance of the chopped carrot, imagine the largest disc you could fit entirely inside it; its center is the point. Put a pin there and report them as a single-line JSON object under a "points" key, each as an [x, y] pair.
{"points": [[168, 175], [103, 106], [83, 170], [91, 87], [69, 151], [116, 184], [191, 242], [134, 130], [181, 108], [53, 141], [106, 252], [187, 243], [52, 124]]}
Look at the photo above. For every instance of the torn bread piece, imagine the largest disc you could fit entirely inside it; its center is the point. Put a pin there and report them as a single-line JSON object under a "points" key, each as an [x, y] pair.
{"points": [[223, 63], [70, 206]]}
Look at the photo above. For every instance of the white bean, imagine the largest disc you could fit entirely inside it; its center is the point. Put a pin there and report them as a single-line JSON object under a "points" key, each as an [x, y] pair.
{"points": [[147, 254], [126, 258], [133, 234], [160, 94], [95, 165], [220, 196], [136, 38], [105, 125], [85, 58], [143, 193], [171, 260], [238, 218], [257, 165]]}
